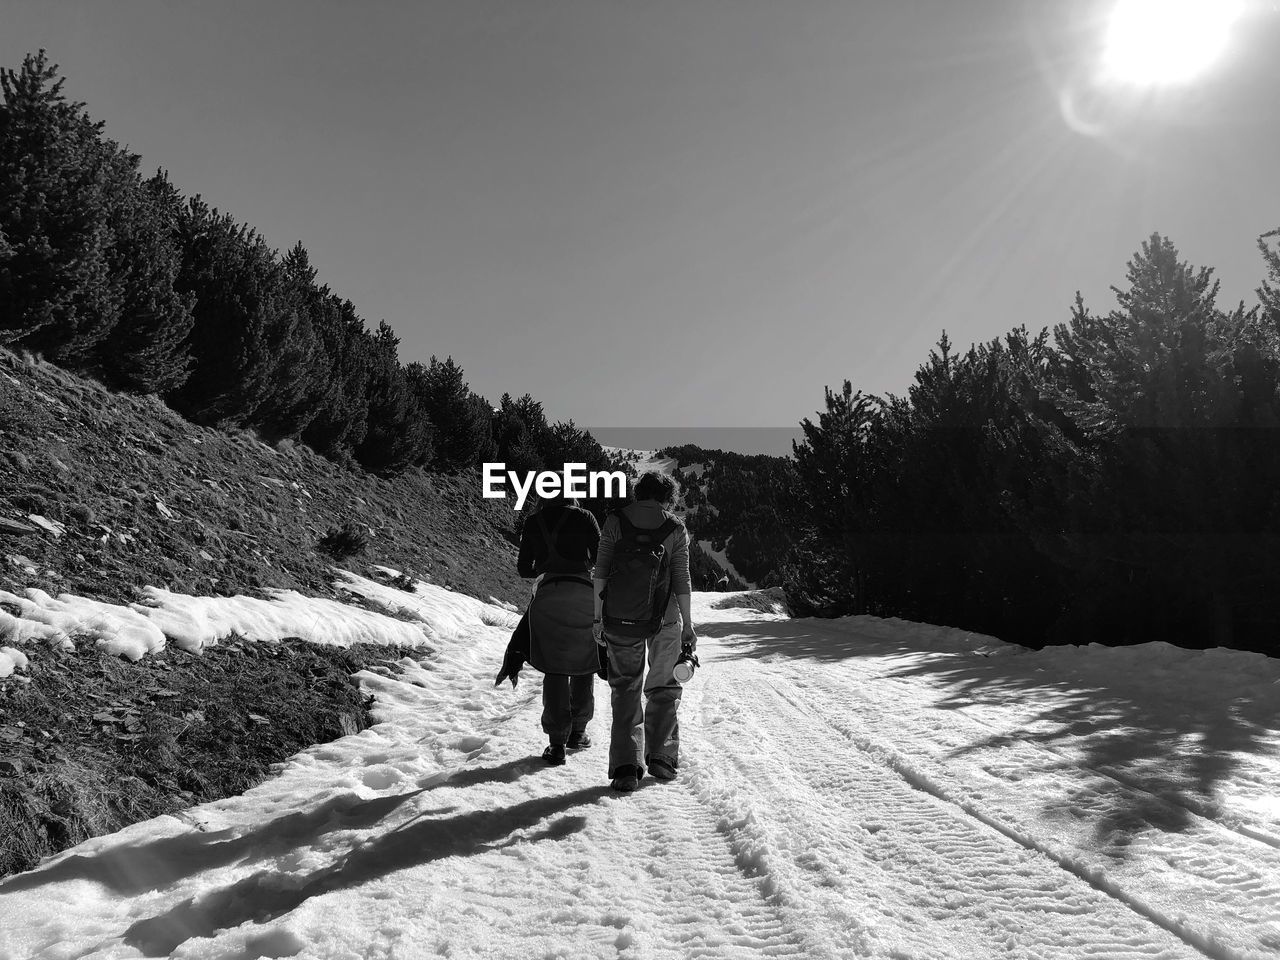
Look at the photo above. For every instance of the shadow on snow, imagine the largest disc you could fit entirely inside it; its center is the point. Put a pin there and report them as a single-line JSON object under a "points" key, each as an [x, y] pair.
{"points": [[129, 869], [264, 896], [1171, 753]]}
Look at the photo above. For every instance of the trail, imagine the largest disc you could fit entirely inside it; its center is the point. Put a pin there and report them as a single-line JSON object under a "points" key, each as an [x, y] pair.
{"points": [[852, 788]]}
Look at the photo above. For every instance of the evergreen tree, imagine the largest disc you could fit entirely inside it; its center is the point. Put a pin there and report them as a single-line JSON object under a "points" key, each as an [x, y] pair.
{"points": [[462, 426], [399, 433], [240, 315], [57, 180], [147, 350], [341, 425], [836, 464], [1175, 402], [301, 378], [514, 437], [1269, 292]]}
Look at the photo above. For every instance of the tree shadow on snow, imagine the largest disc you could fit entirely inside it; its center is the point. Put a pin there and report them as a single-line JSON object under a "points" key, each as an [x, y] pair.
{"points": [[1164, 757], [129, 869], [264, 896]]}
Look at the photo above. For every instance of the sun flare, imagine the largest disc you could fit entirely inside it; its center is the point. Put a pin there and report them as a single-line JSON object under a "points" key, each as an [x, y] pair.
{"points": [[1153, 42]]}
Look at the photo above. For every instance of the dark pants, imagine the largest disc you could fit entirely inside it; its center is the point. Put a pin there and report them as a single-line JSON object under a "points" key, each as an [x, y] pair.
{"points": [[568, 703]]}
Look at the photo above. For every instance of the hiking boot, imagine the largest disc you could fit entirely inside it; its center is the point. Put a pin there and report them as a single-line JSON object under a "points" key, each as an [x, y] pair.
{"points": [[554, 754], [626, 779], [661, 769], [578, 740]]}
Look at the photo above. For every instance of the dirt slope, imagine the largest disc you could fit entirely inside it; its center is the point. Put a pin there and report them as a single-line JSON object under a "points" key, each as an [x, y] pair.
{"points": [[125, 493]]}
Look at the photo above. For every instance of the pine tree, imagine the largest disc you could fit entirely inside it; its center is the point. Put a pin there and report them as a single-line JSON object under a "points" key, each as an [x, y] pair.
{"points": [[515, 439], [835, 465], [301, 380], [1175, 402], [399, 434], [340, 425], [57, 180], [1269, 292], [147, 350], [461, 425], [228, 271]]}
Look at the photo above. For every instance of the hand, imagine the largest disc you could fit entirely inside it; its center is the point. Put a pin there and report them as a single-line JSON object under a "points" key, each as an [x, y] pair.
{"points": [[597, 631], [688, 638]]}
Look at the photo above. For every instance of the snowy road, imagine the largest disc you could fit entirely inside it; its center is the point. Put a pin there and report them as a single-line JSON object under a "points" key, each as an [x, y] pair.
{"points": [[855, 788]]}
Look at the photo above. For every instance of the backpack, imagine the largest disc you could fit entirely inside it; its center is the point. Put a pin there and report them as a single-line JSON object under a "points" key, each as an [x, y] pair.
{"points": [[554, 563], [639, 583]]}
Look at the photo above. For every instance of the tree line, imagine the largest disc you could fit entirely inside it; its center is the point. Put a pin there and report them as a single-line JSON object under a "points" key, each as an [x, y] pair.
{"points": [[1117, 480], [124, 278], [743, 504]]}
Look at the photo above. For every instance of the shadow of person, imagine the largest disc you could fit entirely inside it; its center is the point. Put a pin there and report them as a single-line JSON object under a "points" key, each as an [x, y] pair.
{"points": [[266, 895], [130, 869]]}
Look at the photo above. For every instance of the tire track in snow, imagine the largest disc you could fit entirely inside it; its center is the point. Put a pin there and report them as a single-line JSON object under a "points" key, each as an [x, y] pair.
{"points": [[1213, 887], [879, 867], [1203, 810], [893, 760]]}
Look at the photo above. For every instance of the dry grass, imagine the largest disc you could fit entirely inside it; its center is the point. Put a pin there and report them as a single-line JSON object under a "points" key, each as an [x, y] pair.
{"points": [[91, 743], [149, 499]]}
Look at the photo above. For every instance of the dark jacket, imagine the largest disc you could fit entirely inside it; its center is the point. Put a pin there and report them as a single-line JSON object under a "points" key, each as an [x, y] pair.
{"points": [[576, 542]]}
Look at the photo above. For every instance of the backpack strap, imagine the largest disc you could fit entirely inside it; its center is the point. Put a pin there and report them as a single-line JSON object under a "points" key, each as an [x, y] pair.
{"points": [[550, 537], [626, 525], [667, 528]]}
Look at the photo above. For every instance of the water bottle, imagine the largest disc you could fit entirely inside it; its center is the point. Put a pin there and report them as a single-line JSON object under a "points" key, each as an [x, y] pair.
{"points": [[685, 664]]}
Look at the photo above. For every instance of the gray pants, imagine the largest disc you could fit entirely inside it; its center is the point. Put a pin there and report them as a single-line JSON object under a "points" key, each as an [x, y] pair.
{"points": [[645, 725]]}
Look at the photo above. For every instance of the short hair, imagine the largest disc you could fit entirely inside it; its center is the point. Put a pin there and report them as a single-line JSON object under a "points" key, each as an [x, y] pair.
{"points": [[657, 486]]}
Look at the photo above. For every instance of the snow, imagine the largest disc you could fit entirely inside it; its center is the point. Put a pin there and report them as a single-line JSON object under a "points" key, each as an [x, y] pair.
{"points": [[848, 788], [138, 629], [643, 460], [10, 660]]}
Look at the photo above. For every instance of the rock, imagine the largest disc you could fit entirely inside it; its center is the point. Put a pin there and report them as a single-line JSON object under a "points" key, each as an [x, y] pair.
{"points": [[24, 564], [15, 528], [51, 527]]}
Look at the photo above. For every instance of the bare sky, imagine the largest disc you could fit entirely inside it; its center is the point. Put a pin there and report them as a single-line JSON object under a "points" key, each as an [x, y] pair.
{"points": [[684, 212]]}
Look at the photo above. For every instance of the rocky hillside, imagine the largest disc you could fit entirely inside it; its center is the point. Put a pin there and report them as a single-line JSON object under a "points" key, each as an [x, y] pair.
{"points": [[104, 493]]}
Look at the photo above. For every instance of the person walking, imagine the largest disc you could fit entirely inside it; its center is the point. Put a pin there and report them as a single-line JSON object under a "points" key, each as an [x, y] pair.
{"points": [[642, 590], [558, 546]]}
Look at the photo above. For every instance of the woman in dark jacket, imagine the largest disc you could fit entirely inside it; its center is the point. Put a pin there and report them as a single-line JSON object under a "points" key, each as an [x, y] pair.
{"points": [[558, 545]]}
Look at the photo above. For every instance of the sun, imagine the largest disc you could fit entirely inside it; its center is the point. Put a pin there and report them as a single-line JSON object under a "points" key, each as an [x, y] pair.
{"points": [[1158, 42]]}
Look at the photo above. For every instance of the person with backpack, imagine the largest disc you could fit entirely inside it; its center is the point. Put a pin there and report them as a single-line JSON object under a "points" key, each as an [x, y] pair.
{"points": [[558, 546], [642, 589]]}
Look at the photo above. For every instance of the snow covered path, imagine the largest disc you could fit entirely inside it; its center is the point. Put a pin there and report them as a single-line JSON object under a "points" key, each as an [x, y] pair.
{"points": [[852, 788]]}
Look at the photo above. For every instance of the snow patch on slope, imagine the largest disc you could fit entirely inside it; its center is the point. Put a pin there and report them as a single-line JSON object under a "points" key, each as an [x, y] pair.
{"points": [[721, 557], [191, 623]]}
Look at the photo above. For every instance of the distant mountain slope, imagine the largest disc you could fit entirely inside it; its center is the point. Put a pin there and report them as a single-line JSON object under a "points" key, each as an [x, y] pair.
{"points": [[738, 509], [119, 492]]}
